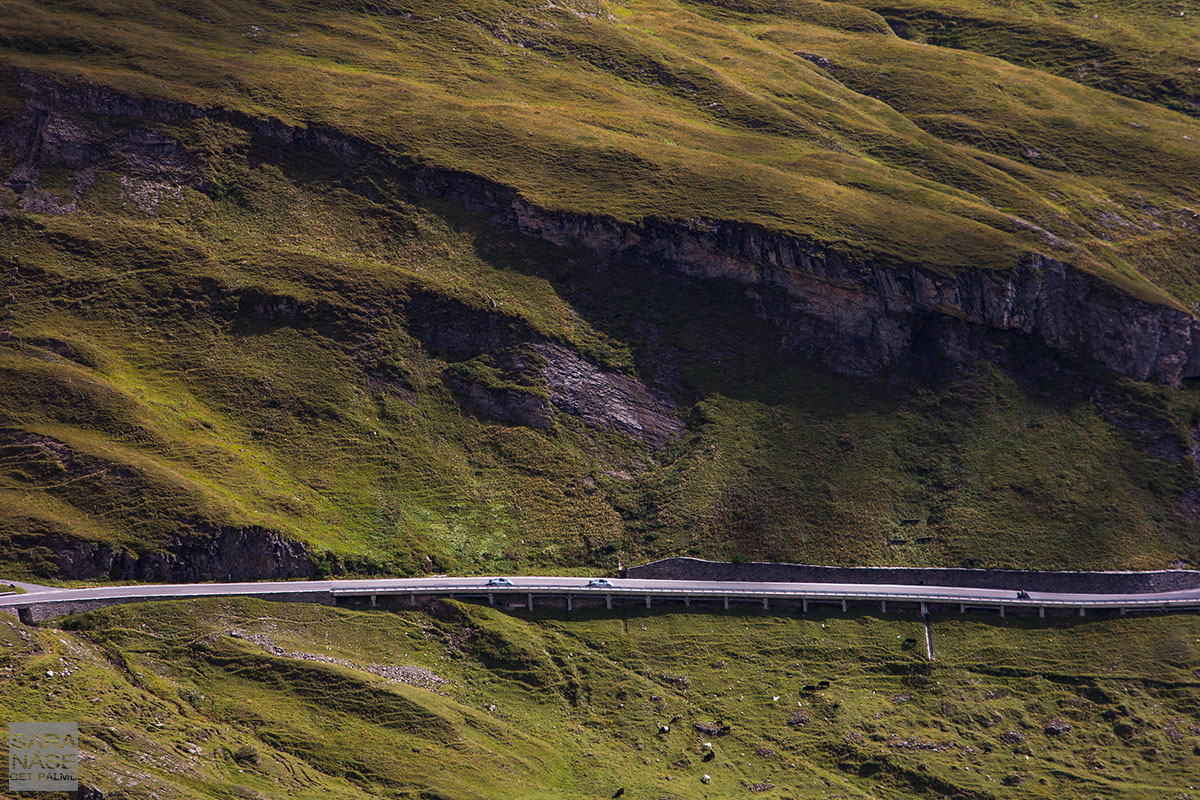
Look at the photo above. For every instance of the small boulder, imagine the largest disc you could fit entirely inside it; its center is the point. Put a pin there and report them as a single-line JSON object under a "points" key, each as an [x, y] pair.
{"points": [[799, 718], [1012, 737], [1057, 727]]}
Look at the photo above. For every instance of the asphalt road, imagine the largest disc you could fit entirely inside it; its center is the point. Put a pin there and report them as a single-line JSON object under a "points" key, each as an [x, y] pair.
{"points": [[539, 585]]}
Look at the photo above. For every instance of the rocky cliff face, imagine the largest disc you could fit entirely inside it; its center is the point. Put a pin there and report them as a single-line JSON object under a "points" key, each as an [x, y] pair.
{"points": [[502, 404], [229, 554], [867, 315]]}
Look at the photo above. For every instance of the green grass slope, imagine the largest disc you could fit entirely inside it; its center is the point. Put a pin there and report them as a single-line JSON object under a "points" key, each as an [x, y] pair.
{"points": [[897, 150], [220, 333], [247, 699], [1144, 50], [256, 352]]}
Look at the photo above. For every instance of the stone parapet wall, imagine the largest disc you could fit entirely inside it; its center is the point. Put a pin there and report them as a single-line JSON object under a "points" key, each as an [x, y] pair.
{"points": [[1032, 580]]}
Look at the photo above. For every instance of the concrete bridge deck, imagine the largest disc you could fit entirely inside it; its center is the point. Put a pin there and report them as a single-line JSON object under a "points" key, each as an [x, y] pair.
{"points": [[570, 593]]}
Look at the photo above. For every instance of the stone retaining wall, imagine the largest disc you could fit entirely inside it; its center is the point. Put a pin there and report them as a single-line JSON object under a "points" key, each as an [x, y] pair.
{"points": [[1032, 580]]}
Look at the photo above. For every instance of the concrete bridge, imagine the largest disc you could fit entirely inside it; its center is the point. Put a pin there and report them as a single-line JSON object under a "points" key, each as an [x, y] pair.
{"points": [[529, 592]]}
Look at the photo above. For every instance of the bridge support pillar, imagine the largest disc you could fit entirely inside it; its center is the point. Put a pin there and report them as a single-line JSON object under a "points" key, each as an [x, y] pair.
{"points": [[491, 599], [608, 601], [568, 602], [843, 606], [412, 598], [766, 603], [924, 610], [883, 606], [1124, 611], [687, 601], [962, 608], [529, 601], [1001, 612], [726, 603], [374, 601], [804, 605], [647, 601], [1082, 611], [1041, 611]]}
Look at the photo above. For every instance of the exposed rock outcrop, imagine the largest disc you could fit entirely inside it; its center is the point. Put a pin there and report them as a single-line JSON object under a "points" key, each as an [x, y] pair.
{"points": [[602, 398], [229, 554], [503, 405], [866, 311], [606, 399]]}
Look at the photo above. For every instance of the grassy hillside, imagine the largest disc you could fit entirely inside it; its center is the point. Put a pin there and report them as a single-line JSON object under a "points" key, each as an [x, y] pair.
{"points": [[242, 698], [250, 322], [213, 331], [266, 337], [1143, 50], [810, 117], [192, 370]]}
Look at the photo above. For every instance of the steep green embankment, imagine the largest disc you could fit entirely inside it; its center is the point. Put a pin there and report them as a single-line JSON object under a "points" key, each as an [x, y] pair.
{"points": [[221, 325], [246, 699]]}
